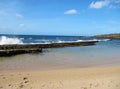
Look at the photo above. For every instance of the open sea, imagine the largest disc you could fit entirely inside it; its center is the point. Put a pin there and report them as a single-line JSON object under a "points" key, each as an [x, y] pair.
{"points": [[105, 53]]}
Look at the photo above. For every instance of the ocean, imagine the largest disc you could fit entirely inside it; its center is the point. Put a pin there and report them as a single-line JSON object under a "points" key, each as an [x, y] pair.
{"points": [[105, 53]]}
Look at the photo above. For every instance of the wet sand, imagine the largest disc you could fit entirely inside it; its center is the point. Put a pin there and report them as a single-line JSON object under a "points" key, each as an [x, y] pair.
{"points": [[77, 78]]}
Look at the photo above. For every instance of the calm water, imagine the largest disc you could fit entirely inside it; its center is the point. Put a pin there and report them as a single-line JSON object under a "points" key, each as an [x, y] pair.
{"points": [[104, 53]]}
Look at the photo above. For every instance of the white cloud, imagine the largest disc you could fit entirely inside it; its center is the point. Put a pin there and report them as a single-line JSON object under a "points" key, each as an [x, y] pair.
{"points": [[19, 15], [72, 11], [105, 3], [99, 4]]}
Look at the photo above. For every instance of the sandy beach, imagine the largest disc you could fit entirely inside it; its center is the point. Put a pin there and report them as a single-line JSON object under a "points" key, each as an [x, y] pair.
{"points": [[82, 78], [59, 44]]}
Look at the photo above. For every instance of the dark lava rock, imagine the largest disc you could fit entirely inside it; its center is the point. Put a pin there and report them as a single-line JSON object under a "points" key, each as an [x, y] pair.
{"points": [[9, 50]]}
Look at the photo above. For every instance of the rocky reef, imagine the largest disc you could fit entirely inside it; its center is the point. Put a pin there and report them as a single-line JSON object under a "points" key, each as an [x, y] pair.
{"points": [[9, 50], [7, 53]]}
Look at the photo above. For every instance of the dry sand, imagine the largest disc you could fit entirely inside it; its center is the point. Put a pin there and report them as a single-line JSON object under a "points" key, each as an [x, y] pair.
{"points": [[83, 78]]}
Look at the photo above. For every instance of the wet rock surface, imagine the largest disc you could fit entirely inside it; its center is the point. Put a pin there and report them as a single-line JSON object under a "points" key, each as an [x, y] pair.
{"points": [[9, 50]]}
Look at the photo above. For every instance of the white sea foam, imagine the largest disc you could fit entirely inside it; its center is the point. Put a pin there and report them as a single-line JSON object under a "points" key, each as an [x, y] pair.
{"points": [[87, 40], [41, 43], [59, 41], [106, 40], [10, 40], [79, 40], [101, 39]]}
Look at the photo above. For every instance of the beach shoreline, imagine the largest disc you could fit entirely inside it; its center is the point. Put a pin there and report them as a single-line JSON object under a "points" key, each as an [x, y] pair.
{"points": [[74, 78]]}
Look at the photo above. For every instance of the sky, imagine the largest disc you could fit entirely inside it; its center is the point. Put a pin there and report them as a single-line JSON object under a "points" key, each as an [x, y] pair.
{"points": [[59, 17]]}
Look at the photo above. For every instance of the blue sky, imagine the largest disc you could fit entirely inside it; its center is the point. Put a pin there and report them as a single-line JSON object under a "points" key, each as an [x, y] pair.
{"points": [[59, 17]]}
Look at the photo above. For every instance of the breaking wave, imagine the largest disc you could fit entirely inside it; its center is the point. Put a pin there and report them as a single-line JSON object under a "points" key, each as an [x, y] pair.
{"points": [[5, 40], [10, 40]]}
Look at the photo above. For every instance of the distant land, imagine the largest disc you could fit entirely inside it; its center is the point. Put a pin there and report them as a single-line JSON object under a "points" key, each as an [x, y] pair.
{"points": [[109, 36]]}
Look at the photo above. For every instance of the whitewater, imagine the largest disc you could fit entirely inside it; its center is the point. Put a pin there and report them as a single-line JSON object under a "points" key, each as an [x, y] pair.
{"points": [[30, 39]]}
